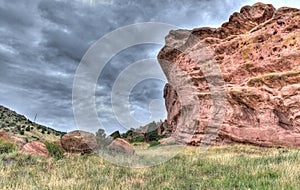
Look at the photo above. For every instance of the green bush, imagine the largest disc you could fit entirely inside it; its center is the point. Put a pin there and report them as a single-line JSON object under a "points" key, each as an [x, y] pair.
{"points": [[22, 132], [55, 151], [154, 143], [6, 147], [138, 139], [115, 135], [27, 128], [152, 134]]}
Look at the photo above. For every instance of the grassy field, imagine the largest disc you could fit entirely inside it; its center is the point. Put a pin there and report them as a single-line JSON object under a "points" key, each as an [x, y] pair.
{"points": [[226, 167]]}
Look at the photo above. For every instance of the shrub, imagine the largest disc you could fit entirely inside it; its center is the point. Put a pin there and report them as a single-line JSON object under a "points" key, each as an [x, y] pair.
{"points": [[22, 132], [27, 128], [6, 147], [152, 134], [138, 139], [115, 135], [55, 151], [48, 132], [154, 143]]}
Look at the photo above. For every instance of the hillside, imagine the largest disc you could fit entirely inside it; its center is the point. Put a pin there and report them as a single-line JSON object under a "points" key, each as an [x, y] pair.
{"points": [[19, 126]]}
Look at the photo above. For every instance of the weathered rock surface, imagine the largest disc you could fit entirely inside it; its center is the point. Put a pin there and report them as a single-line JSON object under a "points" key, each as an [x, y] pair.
{"points": [[5, 136], [258, 54], [79, 142], [36, 148], [122, 146], [19, 142]]}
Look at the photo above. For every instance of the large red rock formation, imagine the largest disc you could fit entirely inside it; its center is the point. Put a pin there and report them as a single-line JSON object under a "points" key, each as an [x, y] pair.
{"points": [[257, 58]]}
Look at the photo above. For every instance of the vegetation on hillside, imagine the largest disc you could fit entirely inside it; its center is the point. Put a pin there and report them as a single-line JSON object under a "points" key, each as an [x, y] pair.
{"points": [[20, 126]]}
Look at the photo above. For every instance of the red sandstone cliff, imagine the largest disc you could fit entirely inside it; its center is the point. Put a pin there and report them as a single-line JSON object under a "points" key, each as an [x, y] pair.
{"points": [[257, 66]]}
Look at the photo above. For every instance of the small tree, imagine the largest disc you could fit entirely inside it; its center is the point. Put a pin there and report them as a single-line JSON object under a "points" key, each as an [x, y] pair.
{"points": [[100, 134], [152, 134], [101, 140], [27, 128], [22, 132]]}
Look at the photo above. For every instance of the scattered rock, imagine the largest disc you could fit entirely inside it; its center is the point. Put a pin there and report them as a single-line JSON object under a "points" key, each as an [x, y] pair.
{"points": [[122, 146], [79, 142], [36, 148]]}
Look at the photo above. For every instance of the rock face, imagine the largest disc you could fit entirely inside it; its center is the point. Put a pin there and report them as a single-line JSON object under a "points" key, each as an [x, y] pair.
{"points": [[36, 148], [19, 142], [79, 142], [122, 146], [5, 136], [257, 52]]}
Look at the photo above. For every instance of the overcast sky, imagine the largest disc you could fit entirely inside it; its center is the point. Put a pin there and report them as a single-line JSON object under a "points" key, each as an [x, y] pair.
{"points": [[43, 41]]}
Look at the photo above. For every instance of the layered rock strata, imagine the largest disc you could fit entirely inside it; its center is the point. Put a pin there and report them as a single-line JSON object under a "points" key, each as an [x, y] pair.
{"points": [[254, 58]]}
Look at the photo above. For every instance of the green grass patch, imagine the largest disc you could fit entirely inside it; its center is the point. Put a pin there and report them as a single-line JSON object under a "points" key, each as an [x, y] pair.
{"points": [[226, 167]]}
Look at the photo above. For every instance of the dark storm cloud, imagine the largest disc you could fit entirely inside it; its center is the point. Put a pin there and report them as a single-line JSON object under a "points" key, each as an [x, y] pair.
{"points": [[43, 41]]}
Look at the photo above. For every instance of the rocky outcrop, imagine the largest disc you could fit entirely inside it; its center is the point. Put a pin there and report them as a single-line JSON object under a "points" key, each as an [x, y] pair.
{"points": [[5, 136], [79, 142], [257, 58], [19, 142], [121, 146], [36, 148]]}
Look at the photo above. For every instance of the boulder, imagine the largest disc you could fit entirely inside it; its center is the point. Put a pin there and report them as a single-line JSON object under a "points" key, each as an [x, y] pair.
{"points": [[79, 142], [239, 83], [5, 136], [36, 148], [121, 146], [19, 142]]}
